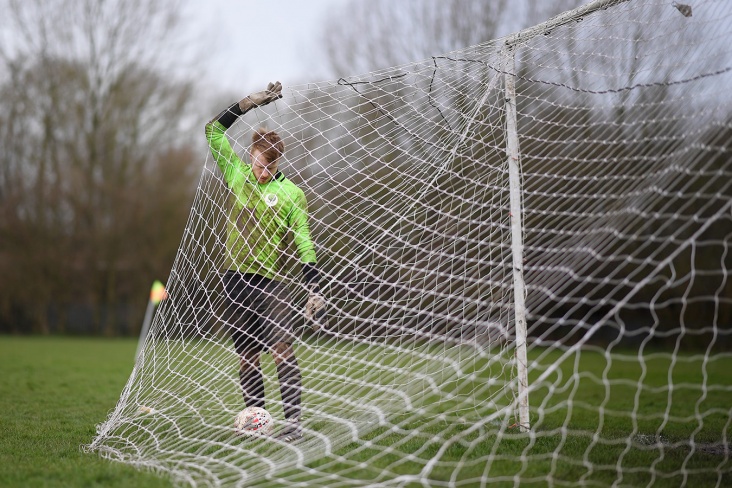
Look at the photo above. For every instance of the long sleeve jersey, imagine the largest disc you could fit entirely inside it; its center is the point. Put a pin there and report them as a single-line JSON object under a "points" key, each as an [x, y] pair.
{"points": [[260, 215]]}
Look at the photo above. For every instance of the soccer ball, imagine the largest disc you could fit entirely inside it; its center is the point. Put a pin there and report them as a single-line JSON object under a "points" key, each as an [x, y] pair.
{"points": [[253, 421]]}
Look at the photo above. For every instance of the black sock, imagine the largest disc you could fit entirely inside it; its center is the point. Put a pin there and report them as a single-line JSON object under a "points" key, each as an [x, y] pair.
{"points": [[252, 386], [288, 372]]}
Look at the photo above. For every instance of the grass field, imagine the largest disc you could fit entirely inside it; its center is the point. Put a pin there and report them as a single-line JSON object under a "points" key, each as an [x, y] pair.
{"points": [[55, 390]]}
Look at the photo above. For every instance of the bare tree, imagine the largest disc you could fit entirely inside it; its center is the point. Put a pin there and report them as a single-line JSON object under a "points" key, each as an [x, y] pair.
{"points": [[91, 115], [635, 84], [378, 34]]}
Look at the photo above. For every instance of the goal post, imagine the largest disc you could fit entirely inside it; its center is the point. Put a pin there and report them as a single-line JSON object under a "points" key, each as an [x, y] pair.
{"points": [[517, 243], [514, 168]]}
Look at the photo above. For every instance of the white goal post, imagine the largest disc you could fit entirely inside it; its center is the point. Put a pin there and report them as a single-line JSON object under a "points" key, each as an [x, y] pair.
{"points": [[524, 247], [514, 155]]}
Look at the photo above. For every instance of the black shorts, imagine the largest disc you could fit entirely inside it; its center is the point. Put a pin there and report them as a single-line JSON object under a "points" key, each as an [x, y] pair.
{"points": [[259, 311]]}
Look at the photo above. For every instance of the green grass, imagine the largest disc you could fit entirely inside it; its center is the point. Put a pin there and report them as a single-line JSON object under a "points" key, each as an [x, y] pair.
{"points": [[55, 390]]}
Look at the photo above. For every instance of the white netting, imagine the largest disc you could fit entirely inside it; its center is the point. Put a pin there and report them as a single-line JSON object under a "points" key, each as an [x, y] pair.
{"points": [[623, 124]]}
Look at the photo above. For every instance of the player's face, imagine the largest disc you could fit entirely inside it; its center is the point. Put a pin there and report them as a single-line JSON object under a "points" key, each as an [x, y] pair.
{"points": [[263, 171]]}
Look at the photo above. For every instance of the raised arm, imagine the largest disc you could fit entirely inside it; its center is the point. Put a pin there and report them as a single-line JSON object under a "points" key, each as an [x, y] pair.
{"points": [[258, 99], [221, 149]]}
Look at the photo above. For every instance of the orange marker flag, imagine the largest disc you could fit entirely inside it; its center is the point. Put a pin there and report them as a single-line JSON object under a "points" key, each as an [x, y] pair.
{"points": [[158, 293]]}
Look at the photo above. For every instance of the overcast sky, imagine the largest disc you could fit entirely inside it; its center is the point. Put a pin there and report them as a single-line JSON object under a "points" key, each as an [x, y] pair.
{"points": [[289, 29]]}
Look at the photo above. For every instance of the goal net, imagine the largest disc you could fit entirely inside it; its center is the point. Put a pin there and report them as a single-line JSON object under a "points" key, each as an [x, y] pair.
{"points": [[524, 248]]}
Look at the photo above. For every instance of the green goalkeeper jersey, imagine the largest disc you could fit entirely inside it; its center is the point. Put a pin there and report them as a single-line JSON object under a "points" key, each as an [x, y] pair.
{"points": [[261, 215]]}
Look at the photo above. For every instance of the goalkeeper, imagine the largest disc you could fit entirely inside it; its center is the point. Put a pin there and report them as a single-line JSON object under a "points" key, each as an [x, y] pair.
{"points": [[266, 208]]}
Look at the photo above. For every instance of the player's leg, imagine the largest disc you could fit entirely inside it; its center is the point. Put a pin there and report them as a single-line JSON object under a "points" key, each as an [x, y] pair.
{"points": [[288, 372], [251, 379], [243, 326], [277, 332]]}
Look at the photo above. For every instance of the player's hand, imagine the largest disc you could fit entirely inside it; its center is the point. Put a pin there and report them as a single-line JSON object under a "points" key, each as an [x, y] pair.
{"points": [[258, 99], [315, 309]]}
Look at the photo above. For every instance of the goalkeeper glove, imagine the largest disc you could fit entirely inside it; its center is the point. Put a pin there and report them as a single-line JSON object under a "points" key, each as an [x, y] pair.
{"points": [[315, 307], [229, 116], [272, 93]]}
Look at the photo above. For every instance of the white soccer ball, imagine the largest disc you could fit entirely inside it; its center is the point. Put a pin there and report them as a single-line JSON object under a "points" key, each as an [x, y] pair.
{"points": [[253, 421]]}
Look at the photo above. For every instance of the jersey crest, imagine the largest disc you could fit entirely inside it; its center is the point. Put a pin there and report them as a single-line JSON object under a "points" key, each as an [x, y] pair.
{"points": [[270, 199]]}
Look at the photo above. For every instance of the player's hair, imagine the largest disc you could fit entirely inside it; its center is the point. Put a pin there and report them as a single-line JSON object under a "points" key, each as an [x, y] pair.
{"points": [[269, 143]]}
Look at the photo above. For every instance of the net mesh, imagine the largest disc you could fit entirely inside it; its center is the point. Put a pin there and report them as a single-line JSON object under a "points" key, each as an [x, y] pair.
{"points": [[623, 130]]}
